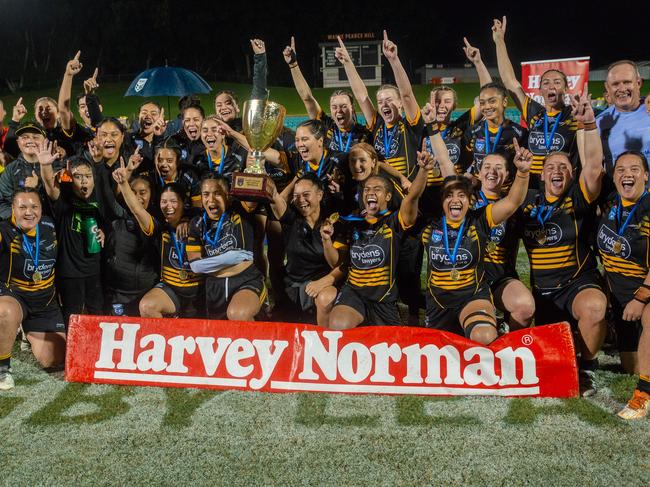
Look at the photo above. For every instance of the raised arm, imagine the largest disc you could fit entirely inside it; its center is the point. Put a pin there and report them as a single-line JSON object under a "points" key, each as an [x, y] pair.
{"points": [[474, 56], [65, 113], [409, 102], [299, 81], [278, 202], [46, 157], [438, 145], [506, 207], [409, 207], [590, 144], [145, 220], [506, 72], [356, 83], [259, 92]]}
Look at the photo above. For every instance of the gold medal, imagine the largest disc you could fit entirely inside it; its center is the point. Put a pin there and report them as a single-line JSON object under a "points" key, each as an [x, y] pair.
{"points": [[333, 218], [435, 172], [617, 246], [182, 275], [455, 274], [491, 246], [37, 277], [541, 238]]}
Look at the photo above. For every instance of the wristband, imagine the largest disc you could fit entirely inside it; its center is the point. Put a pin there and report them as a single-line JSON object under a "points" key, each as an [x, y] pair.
{"points": [[432, 128], [587, 125], [642, 294]]}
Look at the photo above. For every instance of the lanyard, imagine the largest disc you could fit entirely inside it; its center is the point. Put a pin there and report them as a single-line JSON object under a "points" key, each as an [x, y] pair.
{"points": [[459, 237], [496, 139], [213, 241], [542, 217], [483, 200], [619, 211], [179, 247], [388, 141], [355, 218], [548, 141], [223, 156], [320, 165], [339, 136], [163, 182], [34, 252]]}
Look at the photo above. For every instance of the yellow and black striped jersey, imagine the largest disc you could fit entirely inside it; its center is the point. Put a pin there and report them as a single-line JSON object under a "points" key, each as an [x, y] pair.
{"points": [[626, 257], [559, 250], [175, 271], [499, 140], [374, 250], [445, 290], [398, 144], [18, 267], [540, 141], [338, 140], [212, 238]]}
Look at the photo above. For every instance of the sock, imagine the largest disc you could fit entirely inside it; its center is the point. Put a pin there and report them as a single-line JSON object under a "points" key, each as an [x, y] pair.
{"points": [[644, 384], [5, 360], [591, 364]]}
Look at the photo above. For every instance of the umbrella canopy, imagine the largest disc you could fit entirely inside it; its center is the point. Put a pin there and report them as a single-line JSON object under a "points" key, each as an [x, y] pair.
{"points": [[167, 81]]}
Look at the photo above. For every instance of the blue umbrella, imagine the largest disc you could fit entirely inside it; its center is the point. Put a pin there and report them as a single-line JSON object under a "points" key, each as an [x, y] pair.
{"points": [[167, 81]]}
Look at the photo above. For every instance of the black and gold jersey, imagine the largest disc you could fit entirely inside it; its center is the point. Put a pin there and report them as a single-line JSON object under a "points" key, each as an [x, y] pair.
{"points": [[188, 178], [374, 251], [499, 139], [626, 257], [398, 144], [558, 249], [339, 140], [233, 231], [28, 273], [452, 284], [352, 194], [548, 132], [330, 163], [175, 269], [232, 158]]}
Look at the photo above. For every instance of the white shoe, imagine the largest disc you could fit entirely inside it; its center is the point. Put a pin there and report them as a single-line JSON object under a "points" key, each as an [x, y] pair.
{"points": [[6, 379]]}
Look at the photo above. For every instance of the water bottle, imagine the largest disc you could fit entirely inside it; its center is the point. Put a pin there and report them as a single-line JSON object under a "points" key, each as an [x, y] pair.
{"points": [[90, 230]]}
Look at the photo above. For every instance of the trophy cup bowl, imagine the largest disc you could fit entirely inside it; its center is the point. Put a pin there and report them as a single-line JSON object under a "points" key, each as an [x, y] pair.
{"points": [[262, 122]]}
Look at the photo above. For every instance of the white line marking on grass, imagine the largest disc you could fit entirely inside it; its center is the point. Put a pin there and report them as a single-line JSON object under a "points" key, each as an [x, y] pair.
{"points": [[447, 391], [171, 379]]}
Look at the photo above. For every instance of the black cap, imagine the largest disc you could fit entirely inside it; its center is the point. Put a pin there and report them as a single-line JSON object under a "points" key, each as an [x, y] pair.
{"points": [[28, 127]]}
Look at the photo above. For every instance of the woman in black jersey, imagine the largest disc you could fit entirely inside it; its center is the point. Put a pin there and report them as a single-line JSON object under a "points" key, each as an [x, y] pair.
{"points": [[169, 169], [188, 139], [624, 244], [180, 291], [28, 251], [218, 157], [314, 250], [131, 262]]}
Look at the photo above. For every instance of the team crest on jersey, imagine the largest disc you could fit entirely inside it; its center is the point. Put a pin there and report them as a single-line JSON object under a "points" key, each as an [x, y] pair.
{"points": [[183, 154], [612, 213], [436, 236], [479, 145]]}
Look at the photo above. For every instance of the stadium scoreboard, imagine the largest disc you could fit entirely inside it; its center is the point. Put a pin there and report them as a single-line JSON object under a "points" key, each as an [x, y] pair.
{"points": [[365, 53]]}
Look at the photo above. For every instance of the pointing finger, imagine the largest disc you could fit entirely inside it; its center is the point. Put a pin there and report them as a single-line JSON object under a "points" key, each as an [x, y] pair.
{"points": [[293, 43], [121, 162], [385, 35], [76, 56], [95, 74], [20, 101], [515, 143], [467, 44]]}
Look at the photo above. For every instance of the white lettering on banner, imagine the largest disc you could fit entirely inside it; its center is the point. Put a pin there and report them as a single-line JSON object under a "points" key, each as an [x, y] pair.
{"points": [[433, 356], [533, 81], [314, 350], [109, 345], [573, 80]]}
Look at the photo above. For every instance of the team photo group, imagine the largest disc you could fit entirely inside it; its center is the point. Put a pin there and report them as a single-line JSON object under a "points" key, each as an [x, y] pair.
{"points": [[376, 211]]}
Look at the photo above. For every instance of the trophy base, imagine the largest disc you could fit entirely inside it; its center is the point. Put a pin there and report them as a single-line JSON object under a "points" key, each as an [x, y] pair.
{"points": [[251, 187]]}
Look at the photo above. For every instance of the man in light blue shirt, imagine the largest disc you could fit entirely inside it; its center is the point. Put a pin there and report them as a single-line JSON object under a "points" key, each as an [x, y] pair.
{"points": [[625, 125]]}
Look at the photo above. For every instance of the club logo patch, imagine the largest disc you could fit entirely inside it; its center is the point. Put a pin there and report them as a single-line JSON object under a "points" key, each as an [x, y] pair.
{"points": [[140, 84]]}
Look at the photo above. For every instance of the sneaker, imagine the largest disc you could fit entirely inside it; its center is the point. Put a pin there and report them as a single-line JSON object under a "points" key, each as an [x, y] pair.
{"points": [[6, 379], [586, 380], [638, 407]]}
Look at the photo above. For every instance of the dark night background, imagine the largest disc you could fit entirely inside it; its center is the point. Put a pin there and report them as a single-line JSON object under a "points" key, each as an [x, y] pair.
{"points": [[124, 37]]}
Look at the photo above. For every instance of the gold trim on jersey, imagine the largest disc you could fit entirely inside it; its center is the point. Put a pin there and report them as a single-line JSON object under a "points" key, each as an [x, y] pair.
{"points": [[621, 266], [442, 279], [370, 277], [553, 257]]}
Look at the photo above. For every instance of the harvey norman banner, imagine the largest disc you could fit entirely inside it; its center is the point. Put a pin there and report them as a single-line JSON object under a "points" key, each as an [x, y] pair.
{"points": [[576, 70], [282, 357]]}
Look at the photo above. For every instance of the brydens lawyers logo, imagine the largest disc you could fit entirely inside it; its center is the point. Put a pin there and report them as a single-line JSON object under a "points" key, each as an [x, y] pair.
{"points": [[140, 84]]}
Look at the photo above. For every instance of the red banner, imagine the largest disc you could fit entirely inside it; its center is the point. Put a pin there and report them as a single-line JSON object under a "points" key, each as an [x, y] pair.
{"points": [[576, 70], [282, 357]]}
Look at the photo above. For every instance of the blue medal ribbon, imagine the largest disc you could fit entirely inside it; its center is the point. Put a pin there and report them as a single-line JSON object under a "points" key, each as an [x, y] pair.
{"points": [[223, 157], [179, 247], [320, 165], [483, 200], [339, 137], [388, 141], [619, 214], [355, 218], [35, 251], [459, 237], [548, 141], [213, 241], [496, 139], [544, 213]]}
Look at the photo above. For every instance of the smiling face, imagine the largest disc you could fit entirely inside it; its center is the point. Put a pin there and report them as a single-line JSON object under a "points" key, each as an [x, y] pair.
{"points": [[226, 107], [456, 204], [147, 116], [171, 206], [362, 164], [142, 191], [192, 119], [167, 164], [214, 198], [309, 147], [630, 177], [110, 139], [375, 196], [306, 198], [623, 86], [389, 105], [27, 210], [552, 88], [46, 112], [557, 174], [83, 181], [341, 110], [445, 102], [493, 173], [493, 105], [29, 144], [210, 134]]}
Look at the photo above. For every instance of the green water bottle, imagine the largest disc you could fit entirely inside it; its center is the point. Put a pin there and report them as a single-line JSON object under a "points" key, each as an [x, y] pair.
{"points": [[90, 230]]}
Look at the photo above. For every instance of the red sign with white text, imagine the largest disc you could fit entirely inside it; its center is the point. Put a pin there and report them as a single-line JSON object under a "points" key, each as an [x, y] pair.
{"points": [[575, 69], [283, 357]]}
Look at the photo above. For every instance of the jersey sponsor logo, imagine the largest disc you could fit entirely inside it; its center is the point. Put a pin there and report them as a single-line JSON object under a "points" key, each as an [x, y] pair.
{"points": [[45, 267], [454, 152], [226, 243], [367, 257], [440, 261], [498, 233], [173, 258], [537, 143], [606, 239], [552, 230]]}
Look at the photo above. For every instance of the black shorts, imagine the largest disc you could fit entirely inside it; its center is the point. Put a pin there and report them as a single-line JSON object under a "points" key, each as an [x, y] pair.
{"points": [[628, 333], [186, 307], [40, 314], [446, 319], [220, 290], [555, 305], [373, 312]]}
